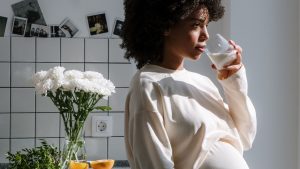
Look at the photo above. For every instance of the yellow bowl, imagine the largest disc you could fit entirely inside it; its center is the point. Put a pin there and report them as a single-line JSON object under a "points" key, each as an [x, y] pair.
{"points": [[78, 165], [102, 164]]}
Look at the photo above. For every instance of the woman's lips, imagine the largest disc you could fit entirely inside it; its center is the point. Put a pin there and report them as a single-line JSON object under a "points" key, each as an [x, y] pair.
{"points": [[200, 48]]}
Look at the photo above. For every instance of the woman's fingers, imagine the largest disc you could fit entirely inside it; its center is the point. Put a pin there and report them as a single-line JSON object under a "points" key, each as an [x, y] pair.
{"points": [[236, 47], [236, 61]]}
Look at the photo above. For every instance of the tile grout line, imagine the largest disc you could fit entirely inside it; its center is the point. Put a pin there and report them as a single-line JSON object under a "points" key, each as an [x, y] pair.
{"points": [[10, 98], [35, 114], [59, 122], [109, 112]]}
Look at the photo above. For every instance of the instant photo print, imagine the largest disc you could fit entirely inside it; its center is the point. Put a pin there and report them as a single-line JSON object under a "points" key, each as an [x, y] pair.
{"points": [[19, 26], [117, 28], [55, 31], [31, 10], [3, 21], [39, 30], [97, 24], [68, 28]]}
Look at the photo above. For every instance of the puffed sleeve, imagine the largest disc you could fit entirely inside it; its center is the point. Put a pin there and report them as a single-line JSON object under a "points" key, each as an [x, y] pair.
{"points": [[146, 140], [240, 106]]}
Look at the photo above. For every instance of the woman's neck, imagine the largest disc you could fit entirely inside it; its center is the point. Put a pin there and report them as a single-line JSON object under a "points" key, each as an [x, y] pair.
{"points": [[170, 65], [171, 61]]}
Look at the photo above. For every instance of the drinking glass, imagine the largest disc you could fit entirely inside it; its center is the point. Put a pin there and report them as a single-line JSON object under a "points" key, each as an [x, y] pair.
{"points": [[219, 51]]}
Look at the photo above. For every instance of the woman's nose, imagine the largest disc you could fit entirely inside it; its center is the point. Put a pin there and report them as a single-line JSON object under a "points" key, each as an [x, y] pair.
{"points": [[204, 34]]}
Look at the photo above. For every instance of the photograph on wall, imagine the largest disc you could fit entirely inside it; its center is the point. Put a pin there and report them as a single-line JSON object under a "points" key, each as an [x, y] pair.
{"points": [[31, 10], [3, 21], [19, 26], [117, 28], [68, 28], [39, 30], [97, 24], [55, 31]]}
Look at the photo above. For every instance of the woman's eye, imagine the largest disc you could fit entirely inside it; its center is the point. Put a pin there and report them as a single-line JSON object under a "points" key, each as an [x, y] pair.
{"points": [[196, 25]]}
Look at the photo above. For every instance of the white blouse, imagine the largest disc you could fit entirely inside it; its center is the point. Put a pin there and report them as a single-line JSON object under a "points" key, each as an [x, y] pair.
{"points": [[172, 117]]}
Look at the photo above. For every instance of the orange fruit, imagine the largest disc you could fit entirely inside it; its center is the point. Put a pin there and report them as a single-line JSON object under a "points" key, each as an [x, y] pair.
{"points": [[102, 164], [78, 165]]}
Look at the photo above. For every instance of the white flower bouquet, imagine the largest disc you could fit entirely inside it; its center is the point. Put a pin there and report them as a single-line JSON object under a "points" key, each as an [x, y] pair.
{"points": [[75, 94]]}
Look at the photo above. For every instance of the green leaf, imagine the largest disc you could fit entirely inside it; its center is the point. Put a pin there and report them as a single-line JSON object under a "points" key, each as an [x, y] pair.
{"points": [[42, 157], [103, 108]]}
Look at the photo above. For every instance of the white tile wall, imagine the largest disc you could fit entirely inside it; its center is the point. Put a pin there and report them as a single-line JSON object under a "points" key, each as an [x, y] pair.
{"points": [[22, 100], [21, 74], [27, 117], [44, 104], [45, 66], [72, 50], [116, 148], [5, 74], [96, 50], [117, 100], [19, 144], [118, 129], [22, 125], [4, 125], [22, 49], [47, 125], [5, 49], [96, 148], [121, 74], [76, 66], [115, 51], [51, 141], [4, 100], [98, 67], [47, 49], [4, 148]]}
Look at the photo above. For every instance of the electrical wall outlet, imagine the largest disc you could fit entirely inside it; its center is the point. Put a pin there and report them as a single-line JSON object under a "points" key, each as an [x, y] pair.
{"points": [[102, 126]]}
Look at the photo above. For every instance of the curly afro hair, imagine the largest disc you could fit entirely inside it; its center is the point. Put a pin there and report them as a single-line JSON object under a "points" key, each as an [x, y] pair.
{"points": [[147, 20]]}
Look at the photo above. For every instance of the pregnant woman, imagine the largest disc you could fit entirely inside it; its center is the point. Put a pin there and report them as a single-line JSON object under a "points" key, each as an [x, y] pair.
{"points": [[175, 118]]}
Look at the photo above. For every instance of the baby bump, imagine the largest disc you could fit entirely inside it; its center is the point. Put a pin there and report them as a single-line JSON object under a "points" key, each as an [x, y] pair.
{"points": [[224, 156]]}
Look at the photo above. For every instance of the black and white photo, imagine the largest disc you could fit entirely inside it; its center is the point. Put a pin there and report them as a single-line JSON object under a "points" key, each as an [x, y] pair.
{"points": [[39, 30], [97, 24], [117, 28], [3, 21], [68, 28], [19, 26], [55, 31], [31, 10]]}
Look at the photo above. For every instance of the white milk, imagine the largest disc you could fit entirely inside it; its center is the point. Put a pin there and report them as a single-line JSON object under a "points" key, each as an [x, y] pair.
{"points": [[221, 59]]}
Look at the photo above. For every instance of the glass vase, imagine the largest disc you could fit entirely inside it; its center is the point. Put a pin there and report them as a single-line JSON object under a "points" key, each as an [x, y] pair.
{"points": [[74, 148]]}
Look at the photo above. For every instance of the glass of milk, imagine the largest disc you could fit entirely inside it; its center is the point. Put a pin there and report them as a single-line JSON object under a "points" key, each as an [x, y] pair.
{"points": [[219, 51]]}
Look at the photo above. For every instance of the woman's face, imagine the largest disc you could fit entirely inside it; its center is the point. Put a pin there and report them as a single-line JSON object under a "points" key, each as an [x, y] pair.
{"points": [[187, 38]]}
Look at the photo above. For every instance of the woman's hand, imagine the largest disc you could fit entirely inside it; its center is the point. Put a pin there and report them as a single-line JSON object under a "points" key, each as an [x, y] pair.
{"points": [[234, 66]]}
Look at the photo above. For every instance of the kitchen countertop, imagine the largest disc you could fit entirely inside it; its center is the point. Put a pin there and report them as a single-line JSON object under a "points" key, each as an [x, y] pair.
{"points": [[118, 163]]}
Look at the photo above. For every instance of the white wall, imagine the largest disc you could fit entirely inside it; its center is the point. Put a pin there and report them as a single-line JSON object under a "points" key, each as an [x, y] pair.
{"points": [[268, 31], [54, 11]]}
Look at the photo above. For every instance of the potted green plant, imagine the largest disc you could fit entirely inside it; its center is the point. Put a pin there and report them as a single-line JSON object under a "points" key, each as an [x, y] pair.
{"points": [[43, 157]]}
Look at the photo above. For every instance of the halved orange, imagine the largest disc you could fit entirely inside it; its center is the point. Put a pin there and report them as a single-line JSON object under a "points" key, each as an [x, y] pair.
{"points": [[102, 164], [78, 165]]}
